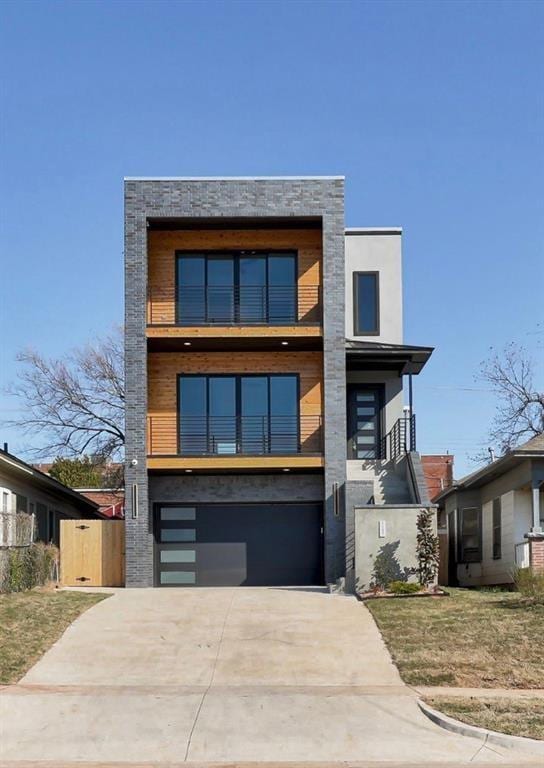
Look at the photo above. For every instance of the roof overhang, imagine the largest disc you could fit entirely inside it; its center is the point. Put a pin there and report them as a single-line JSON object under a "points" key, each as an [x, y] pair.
{"points": [[230, 222], [15, 466], [405, 359], [234, 178], [489, 473]]}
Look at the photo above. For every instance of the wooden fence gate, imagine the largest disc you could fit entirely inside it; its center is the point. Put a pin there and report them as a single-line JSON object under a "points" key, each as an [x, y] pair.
{"points": [[92, 553]]}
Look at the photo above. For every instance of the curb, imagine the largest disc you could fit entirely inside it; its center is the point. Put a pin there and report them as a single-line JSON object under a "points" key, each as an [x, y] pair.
{"points": [[534, 746]]}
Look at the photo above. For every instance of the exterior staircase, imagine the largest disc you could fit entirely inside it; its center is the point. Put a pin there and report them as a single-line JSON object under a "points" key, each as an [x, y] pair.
{"points": [[388, 481], [390, 487]]}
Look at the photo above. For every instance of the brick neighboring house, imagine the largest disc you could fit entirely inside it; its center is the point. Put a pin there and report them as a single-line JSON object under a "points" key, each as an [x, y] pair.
{"points": [[267, 436], [438, 471], [494, 518], [111, 501]]}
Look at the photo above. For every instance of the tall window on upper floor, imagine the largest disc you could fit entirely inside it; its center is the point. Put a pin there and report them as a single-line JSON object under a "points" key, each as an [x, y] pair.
{"points": [[243, 287], [227, 414], [497, 529], [366, 304]]}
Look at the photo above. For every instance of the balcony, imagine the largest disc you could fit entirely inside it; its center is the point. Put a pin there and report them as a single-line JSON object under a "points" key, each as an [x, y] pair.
{"points": [[199, 305], [234, 442]]}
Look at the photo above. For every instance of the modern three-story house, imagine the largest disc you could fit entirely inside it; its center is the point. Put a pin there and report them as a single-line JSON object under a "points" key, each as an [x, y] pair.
{"points": [[264, 381]]}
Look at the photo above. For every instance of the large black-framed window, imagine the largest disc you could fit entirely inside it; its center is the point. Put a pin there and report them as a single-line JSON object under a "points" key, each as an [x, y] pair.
{"points": [[243, 413], [366, 303], [236, 287], [470, 535]]}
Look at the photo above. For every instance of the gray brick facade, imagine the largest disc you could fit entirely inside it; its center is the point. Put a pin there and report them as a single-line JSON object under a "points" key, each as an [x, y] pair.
{"points": [[245, 198], [211, 489]]}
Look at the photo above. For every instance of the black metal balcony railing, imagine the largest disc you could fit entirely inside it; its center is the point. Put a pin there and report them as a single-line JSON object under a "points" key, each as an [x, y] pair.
{"points": [[235, 305], [232, 435], [401, 439]]}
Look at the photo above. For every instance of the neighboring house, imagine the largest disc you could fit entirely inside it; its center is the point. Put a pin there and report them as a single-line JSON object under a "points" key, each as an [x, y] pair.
{"points": [[111, 501], [109, 474], [438, 471], [267, 436], [494, 518], [24, 488]]}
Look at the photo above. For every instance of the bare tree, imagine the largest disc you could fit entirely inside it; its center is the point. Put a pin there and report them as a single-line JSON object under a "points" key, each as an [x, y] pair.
{"points": [[520, 408], [74, 404]]}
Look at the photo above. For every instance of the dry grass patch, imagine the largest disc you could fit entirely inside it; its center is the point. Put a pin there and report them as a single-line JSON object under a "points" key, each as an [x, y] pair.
{"points": [[30, 622], [472, 639], [517, 717]]}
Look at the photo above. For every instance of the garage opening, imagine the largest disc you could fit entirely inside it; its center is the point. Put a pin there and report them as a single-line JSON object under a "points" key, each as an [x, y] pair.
{"points": [[211, 545]]}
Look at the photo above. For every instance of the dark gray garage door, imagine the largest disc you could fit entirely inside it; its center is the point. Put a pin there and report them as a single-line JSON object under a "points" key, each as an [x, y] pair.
{"points": [[237, 544]]}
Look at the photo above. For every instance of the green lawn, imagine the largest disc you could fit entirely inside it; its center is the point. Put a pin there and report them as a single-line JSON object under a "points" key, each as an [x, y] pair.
{"points": [[472, 639], [518, 717], [30, 622]]}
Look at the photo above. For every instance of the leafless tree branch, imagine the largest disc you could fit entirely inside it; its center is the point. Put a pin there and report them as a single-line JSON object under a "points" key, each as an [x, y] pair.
{"points": [[74, 404], [520, 405]]}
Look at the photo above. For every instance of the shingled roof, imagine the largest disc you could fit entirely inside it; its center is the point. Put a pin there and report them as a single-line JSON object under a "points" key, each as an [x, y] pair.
{"points": [[533, 448]]}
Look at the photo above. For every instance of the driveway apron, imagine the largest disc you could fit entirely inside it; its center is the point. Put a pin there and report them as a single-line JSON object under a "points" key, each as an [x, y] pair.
{"points": [[218, 675]]}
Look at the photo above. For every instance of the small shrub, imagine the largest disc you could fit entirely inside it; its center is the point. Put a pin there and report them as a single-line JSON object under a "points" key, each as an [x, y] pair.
{"points": [[428, 553], [31, 566], [530, 583], [404, 587]]}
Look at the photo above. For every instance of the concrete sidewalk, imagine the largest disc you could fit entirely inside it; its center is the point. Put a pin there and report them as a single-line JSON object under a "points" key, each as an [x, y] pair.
{"points": [[219, 675]]}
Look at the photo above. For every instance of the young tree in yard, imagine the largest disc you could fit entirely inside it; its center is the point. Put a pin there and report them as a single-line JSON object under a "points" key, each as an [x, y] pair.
{"points": [[427, 548], [76, 473], [75, 404], [520, 409]]}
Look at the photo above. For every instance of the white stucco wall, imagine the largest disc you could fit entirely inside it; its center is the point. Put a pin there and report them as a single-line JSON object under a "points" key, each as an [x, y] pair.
{"points": [[377, 251]]}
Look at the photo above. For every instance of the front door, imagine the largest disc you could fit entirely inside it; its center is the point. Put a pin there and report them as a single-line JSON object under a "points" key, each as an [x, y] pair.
{"points": [[364, 417]]}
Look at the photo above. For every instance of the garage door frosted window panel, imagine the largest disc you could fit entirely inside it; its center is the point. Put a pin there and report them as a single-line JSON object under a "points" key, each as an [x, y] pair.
{"points": [[176, 537]]}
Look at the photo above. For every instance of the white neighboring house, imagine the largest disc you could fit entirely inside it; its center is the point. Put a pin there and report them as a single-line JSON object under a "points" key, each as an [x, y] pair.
{"points": [[494, 518], [24, 489]]}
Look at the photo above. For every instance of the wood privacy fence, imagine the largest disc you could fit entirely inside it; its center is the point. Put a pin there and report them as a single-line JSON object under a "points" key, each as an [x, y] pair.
{"points": [[92, 553]]}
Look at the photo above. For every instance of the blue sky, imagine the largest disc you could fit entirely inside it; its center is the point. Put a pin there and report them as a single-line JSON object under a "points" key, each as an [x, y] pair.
{"points": [[434, 112]]}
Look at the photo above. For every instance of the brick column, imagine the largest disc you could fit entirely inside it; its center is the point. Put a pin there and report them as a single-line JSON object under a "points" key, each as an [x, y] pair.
{"points": [[536, 552]]}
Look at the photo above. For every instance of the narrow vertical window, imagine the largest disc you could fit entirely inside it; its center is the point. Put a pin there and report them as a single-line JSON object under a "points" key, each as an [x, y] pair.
{"points": [[366, 303], [470, 539], [497, 529]]}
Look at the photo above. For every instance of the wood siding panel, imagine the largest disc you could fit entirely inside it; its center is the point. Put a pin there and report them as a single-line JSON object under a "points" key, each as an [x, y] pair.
{"points": [[217, 463], [163, 368], [232, 332], [162, 247]]}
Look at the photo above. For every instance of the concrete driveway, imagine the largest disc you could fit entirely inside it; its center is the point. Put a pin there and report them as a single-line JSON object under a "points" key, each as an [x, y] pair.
{"points": [[278, 675]]}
